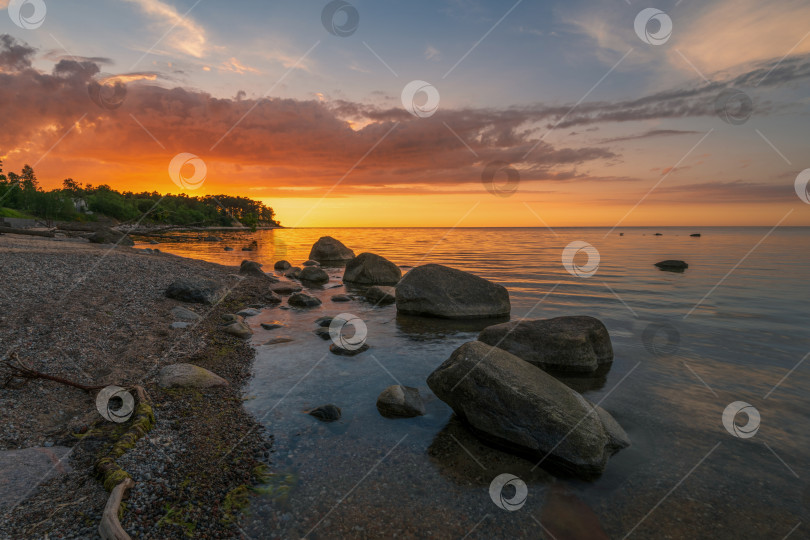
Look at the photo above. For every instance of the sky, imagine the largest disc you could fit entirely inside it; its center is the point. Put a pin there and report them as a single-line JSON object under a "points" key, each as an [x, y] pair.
{"points": [[421, 113]]}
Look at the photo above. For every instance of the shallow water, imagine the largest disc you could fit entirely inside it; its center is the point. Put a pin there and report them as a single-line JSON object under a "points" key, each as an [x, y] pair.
{"points": [[684, 476]]}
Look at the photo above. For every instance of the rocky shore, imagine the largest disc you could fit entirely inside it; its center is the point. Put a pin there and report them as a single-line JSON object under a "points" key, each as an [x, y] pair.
{"points": [[99, 316]]}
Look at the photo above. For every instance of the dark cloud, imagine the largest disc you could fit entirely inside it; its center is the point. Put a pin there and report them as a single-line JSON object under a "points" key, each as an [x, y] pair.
{"points": [[14, 56], [652, 133]]}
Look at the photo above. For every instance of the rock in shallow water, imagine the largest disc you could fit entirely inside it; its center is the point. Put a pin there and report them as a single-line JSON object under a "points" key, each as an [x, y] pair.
{"points": [[435, 290], [334, 348], [329, 250], [281, 265], [313, 274], [511, 403], [188, 376], [371, 269], [566, 344], [381, 294], [326, 413], [400, 401], [341, 298], [303, 300], [672, 265]]}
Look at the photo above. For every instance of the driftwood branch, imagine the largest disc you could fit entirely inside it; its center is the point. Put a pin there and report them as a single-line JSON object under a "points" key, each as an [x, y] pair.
{"points": [[110, 528], [22, 371], [14, 230]]}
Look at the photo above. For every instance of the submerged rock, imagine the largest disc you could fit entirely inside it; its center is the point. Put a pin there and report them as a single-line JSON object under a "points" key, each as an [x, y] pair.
{"points": [[381, 294], [253, 246], [509, 402], [272, 325], [435, 290], [313, 274], [567, 344], [322, 333], [400, 401], [371, 269], [303, 300], [334, 348], [330, 250], [188, 376], [672, 265], [228, 248], [278, 340], [201, 291], [326, 413]]}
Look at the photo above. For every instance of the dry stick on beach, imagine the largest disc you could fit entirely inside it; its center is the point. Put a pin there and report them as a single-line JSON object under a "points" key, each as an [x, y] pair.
{"points": [[28, 373]]}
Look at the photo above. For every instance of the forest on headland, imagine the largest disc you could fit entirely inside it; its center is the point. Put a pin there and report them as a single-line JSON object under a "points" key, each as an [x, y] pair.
{"points": [[22, 197]]}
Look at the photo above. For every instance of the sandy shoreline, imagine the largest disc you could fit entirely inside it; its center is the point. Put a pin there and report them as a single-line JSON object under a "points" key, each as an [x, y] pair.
{"points": [[97, 315]]}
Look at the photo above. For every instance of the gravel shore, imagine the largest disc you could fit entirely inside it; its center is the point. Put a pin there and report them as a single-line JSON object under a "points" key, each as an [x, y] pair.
{"points": [[97, 315]]}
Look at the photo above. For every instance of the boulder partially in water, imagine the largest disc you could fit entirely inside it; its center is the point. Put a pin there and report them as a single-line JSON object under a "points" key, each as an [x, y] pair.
{"points": [[281, 265], [511, 403], [563, 344], [303, 300], [329, 250], [371, 269], [326, 413], [435, 290]]}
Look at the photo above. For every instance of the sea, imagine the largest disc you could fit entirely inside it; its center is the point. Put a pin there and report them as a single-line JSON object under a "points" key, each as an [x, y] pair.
{"points": [[710, 380]]}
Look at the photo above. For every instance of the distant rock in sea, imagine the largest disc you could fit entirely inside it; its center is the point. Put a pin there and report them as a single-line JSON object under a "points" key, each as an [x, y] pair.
{"points": [[672, 265], [695, 235]]}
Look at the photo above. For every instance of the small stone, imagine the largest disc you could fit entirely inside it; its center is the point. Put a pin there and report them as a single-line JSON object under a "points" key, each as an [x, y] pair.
{"points": [[180, 325], [248, 312], [303, 300], [341, 298], [272, 325], [185, 314], [323, 321], [238, 329], [188, 375]]}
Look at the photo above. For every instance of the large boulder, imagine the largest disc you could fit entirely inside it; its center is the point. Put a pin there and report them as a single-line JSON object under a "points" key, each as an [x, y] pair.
{"points": [[513, 404], [200, 291], [188, 376], [435, 290], [313, 274], [565, 344], [330, 250], [371, 269]]}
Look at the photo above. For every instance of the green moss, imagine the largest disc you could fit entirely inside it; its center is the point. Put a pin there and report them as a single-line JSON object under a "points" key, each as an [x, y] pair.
{"points": [[125, 438], [235, 501], [179, 517]]}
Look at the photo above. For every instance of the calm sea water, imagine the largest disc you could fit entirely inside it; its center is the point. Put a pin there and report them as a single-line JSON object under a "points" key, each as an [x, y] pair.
{"points": [[733, 327]]}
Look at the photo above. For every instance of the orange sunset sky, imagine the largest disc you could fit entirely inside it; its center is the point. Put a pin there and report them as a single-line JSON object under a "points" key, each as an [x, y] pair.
{"points": [[598, 126]]}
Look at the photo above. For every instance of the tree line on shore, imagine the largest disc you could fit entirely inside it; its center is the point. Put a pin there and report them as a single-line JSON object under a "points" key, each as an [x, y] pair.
{"points": [[21, 195]]}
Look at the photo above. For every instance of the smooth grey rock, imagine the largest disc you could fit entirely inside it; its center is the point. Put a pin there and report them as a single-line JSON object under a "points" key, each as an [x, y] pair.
{"points": [[314, 274], [381, 294], [371, 269], [562, 344], [518, 406], [248, 312], [179, 325], [400, 401], [303, 300], [238, 329], [326, 413], [285, 287], [188, 376], [330, 250], [435, 290], [201, 291], [185, 314], [281, 265]]}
